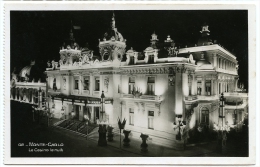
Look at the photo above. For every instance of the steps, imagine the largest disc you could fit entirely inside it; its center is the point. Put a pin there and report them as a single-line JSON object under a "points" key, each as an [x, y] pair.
{"points": [[78, 127]]}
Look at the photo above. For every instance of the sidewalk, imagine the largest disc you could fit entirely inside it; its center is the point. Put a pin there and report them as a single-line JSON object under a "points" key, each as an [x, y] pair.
{"points": [[233, 148], [157, 150]]}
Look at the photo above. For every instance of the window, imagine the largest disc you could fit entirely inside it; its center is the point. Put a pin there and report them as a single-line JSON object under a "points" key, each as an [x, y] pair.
{"points": [[131, 116], [151, 59], [151, 85], [131, 85], [76, 86], [86, 84], [132, 60], [219, 88], [227, 87], [208, 87], [189, 83], [199, 88], [150, 119], [204, 116], [97, 81], [219, 63]]}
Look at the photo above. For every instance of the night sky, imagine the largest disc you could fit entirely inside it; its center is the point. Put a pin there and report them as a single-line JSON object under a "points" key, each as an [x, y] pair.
{"points": [[37, 35]]}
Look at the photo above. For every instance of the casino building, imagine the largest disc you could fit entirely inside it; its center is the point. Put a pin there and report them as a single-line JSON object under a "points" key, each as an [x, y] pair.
{"points": [[165, 84]]}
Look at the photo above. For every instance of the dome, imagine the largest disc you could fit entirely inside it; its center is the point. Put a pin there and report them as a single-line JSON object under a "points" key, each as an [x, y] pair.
{"points": [[130, 51], [112, 32], [149, 49]]}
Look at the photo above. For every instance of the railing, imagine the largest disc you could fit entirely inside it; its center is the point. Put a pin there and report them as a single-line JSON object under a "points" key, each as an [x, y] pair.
{"points": [[96, 93], [127, 96], [146, 97], [213, 97], [236, 94], [191, 97], [80, 126], [149, 97]]}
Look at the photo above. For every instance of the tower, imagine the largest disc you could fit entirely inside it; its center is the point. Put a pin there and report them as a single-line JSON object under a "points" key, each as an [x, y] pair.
{"points": [[112, 46], [205, 36], [154, 41]]}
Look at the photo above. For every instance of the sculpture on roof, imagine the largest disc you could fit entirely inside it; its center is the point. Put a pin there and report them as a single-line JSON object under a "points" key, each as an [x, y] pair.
{"points": [[112, 33], [172, 50]]}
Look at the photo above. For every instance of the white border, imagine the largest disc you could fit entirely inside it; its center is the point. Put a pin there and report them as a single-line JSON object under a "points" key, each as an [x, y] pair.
{"points": [[134, 6]]}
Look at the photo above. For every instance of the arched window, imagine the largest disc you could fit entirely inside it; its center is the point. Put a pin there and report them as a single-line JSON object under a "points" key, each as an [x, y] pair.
{"points": [[204, 119]]}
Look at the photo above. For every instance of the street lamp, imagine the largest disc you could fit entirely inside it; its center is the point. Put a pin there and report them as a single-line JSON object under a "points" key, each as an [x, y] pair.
{"points": [[72, 111], [221, 134], [102, 104], [221, 111], [121, 125]]}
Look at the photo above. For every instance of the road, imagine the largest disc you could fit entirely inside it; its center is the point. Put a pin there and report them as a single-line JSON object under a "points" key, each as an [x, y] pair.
{"points": [[25, 131]]}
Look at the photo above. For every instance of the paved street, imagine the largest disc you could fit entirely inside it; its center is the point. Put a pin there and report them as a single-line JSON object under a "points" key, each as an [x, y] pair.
{"points": [[24, 130]]}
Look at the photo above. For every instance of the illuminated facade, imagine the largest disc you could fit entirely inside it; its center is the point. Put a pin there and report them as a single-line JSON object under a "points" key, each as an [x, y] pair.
{"points": [[150, 91]]}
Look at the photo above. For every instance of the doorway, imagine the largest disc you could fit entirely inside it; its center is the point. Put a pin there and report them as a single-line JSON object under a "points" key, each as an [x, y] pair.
{"points": [[96, 113], [76, 112]]}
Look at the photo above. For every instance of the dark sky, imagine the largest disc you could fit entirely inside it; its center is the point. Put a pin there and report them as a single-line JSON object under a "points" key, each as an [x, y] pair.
{"points": [[39, 34]]}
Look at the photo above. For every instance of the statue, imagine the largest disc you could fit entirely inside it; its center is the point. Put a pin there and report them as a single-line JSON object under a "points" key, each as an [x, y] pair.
{"points": [[85, 59], [191, 57], [49, 64], [75, 46], [61, 62], [68, 47], [53, 64], [176, 51]]}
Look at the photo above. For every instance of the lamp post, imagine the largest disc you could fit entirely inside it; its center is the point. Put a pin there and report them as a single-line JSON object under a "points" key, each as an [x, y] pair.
{"points": [[72, 111], [121, 125], [235, 114], [102, 104], [221, 134]]}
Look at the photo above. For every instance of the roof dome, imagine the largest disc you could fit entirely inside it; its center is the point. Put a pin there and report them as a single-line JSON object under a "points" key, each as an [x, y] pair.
{"points": [[112, 32], [148, 49], [130, 51]]}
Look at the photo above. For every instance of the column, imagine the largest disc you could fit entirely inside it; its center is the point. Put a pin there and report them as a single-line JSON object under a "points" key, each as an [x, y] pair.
{"points": [[91, 84], [194, 85], [92, 116], [215, 60], [216, 87], [115, 80], [203, 93], [178, 94], [81, 113], [212, 87], [185, 84]]}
